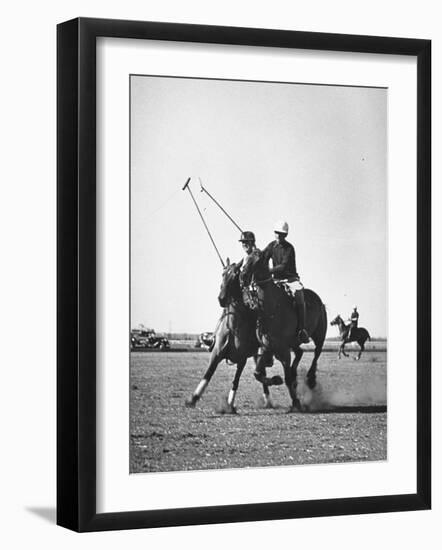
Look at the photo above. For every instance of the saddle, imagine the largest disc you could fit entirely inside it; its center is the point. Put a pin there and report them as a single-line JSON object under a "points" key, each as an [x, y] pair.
{"points": [[250, 293], [285, 287]]}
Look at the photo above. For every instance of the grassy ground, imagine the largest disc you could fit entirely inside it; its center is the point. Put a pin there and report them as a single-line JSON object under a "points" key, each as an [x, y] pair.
{"points": [[349, 423]]}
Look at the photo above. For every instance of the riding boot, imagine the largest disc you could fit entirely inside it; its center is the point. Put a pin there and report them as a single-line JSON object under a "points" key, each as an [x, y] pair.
{"points": [[350, 333], [300, 310]]}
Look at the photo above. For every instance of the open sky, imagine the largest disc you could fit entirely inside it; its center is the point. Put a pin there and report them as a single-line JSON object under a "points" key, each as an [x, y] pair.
{"points": [[315, 156]]}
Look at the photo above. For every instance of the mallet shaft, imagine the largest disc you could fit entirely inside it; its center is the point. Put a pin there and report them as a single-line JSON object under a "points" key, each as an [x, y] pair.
{"points": [[219, 206], [186, 186]]}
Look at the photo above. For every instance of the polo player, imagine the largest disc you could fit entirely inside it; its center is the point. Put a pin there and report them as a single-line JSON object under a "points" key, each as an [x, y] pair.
{"points": [[250, 250], [354, 318], [281, 253], [253, 254]]}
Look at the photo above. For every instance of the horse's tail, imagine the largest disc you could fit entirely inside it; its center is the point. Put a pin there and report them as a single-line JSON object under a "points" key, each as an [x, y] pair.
{"points": [[365, 332]]}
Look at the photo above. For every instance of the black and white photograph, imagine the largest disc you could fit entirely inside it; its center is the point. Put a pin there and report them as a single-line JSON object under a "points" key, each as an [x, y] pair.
{"points": [[221, 245], [258, 274]]}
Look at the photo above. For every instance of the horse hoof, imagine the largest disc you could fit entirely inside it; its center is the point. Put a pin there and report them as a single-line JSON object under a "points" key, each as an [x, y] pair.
{"points": [[190, 403], [311, 383], [276, 381], [227, 409]]}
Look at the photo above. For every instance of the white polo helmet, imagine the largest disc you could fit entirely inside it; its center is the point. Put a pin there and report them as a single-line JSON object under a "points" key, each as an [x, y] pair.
{"points": [[281, 227]]}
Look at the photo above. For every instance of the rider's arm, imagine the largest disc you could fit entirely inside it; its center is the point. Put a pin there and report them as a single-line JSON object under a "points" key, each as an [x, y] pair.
{"points": [[266, 254], [248, 260], [286, 263]]}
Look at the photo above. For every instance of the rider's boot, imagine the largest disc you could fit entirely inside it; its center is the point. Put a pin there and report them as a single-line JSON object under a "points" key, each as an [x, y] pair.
{"points": [[300, 309]]}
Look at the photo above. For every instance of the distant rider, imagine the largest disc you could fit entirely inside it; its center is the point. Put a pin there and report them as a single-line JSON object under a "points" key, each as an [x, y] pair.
{"points": [[354, 318], [283, 268]]}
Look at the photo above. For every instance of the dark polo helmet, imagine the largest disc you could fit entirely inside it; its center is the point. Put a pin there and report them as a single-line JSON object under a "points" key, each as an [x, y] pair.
{"points": [[247, 236]]}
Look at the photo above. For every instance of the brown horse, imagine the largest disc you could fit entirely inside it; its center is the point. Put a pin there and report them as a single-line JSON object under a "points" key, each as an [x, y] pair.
{"points": [[278, 325], [234, 338], [358, 334]]}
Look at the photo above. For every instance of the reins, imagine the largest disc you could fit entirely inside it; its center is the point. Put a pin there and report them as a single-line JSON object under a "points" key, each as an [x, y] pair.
{"points": [[264, 281]]}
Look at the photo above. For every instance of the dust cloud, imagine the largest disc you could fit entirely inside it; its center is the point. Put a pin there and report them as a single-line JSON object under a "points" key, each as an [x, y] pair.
{"points": [[324, 399]]}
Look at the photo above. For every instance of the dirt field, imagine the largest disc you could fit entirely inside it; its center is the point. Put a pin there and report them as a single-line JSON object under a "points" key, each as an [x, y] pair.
{"points": [[347, 419]]}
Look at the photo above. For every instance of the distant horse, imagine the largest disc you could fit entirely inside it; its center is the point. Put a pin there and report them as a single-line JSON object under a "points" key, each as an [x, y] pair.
{"points": [[358, 334], [278, 325], [234, 338]]}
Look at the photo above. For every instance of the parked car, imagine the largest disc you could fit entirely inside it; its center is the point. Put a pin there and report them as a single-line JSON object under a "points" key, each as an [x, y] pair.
{"points": [[142, 339], [205, 339]]}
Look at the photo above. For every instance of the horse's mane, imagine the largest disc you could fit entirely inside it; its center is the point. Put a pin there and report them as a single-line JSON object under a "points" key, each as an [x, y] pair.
{"points": [[255, 265], [233, 274]]}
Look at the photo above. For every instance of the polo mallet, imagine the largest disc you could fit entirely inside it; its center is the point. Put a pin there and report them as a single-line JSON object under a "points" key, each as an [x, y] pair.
{"points": [[204, 190], [186, 186]]}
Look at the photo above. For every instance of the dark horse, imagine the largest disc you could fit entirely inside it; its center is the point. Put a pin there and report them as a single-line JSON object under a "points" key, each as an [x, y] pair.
{"points": [[278, 325], [234, 338], [358, 334]]}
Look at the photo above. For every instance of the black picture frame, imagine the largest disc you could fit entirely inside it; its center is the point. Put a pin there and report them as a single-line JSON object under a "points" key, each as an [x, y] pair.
{"points": [[77, 288]]}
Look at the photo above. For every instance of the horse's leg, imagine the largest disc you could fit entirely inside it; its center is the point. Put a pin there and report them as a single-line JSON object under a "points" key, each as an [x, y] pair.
{"points": [[260, 372], [284, 357], [292, 380], [265, 389], [362, 346], [341, 350], [215, 359], [232, 393], [266, 396], [311, 374]]}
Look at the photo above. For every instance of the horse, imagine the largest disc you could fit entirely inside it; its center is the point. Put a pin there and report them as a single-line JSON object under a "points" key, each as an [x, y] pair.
{"points": [[234, 339], [278, 325], [358, 334]]}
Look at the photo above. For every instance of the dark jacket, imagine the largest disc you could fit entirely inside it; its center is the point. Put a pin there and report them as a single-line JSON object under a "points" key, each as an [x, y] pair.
{"points": [[283, 258], [354, 318]]}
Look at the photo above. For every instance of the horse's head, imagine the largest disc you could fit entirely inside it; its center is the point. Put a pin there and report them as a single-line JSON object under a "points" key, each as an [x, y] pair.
{"points": [[336, 321], [254, 266], [229, 285]]}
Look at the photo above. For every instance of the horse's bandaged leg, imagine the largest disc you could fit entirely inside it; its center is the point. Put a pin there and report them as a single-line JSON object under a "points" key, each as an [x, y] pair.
{"points": [[231, 398], [266, 400], [200, 388]]}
